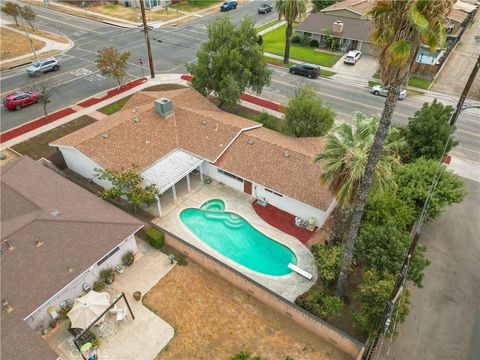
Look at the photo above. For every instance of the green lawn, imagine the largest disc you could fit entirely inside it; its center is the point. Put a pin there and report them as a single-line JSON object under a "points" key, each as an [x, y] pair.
{"points": [[274, 42], [194, 5], [37, 146], [373, 83], [414, 81], [267, 25], [115, 106], [280, 62]]}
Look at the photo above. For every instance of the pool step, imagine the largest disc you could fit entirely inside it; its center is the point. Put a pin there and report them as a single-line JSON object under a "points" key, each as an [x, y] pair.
{"points": [[300, 271]]}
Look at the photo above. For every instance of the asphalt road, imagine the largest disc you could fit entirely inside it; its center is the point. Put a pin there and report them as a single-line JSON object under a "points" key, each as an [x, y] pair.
{"points": [[172, 48]]}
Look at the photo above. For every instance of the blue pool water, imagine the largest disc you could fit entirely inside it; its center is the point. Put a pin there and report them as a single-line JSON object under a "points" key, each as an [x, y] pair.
{"points": [[424, 56], [232, 236]]}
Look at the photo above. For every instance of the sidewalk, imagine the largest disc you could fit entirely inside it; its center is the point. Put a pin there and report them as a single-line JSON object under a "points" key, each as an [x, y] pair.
{"points": [[50, 45]]}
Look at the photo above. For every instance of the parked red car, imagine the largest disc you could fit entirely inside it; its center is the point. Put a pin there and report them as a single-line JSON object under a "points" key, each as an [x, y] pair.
{"points": [[17, 100]]}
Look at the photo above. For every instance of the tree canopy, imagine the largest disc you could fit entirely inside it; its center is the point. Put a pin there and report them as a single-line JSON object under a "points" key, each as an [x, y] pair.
{"points": [[10, 9], [322, 4], [291, 10], [113, 63], [127, 184], [230, 61], [383, 247], [428, 131], [387, 207], [306, 115], [373, 293], [414, 181]]}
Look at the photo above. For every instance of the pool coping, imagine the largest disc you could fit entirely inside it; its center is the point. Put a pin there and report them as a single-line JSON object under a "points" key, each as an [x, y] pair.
{"points": [[222, 257], [288, 286]]}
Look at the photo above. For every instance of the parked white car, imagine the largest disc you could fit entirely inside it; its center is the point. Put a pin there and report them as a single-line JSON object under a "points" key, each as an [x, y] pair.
{"points": [[383, 91], [352, 57], [43, 66]]}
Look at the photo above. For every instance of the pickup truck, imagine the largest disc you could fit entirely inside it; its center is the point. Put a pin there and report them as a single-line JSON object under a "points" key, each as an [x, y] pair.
{"points": [[228, 5]]}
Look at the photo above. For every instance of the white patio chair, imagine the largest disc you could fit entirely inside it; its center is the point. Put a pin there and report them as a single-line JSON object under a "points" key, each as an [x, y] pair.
{"points": [[121, 314]]}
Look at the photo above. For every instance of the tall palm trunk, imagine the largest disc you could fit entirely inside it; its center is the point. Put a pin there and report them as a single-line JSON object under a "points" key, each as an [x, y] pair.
{"points": [[339, 226], [288, 38], [367, 179]]}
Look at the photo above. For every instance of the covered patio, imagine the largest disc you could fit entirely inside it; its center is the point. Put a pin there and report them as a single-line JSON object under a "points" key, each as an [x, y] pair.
{"points": [[175, 175]]}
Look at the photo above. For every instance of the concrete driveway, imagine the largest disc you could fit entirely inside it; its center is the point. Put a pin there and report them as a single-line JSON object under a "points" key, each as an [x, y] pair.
{"points": [[444, 322], [365, 67]]}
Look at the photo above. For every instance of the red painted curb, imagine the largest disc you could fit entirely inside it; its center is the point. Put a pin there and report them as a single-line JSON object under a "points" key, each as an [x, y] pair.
{"points": [[11, 134], [35, 124], [113, 92], [446, 159], [251, 98]]}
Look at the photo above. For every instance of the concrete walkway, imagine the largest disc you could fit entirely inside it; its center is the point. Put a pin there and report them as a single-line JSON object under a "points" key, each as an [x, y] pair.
{"points": [[50, 45]]}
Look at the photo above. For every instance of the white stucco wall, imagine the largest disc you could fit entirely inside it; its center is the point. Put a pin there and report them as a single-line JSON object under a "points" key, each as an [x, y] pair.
{"points": [[212, 171], [82, 165], [290, 205], [40, 318]]}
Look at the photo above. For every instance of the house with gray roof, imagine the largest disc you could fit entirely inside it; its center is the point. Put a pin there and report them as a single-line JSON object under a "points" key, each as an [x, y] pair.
{"points": [[55, 239]]}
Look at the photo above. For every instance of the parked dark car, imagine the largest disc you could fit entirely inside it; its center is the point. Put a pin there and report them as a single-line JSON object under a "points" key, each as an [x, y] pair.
{"points": [[17, 100], [265, 8], [228, 5], [309, 70]]}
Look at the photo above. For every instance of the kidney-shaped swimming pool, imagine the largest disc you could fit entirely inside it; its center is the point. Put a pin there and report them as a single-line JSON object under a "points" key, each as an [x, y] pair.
{"points": [[234, 237]]}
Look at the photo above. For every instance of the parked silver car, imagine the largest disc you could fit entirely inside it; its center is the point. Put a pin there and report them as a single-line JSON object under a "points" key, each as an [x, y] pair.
{"points": [[43, 66], [383, 91]]}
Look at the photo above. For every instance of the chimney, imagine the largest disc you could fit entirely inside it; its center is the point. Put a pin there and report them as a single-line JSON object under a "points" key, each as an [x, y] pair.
{"points": [[337, 27], [164, 107]]}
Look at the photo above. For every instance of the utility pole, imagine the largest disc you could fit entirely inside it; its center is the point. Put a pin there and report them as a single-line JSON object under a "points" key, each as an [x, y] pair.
{"points": [[147, 39], [465, 91]]}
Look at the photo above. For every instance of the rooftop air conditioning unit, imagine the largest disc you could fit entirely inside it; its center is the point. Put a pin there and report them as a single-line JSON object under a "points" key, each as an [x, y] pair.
{"points": [[164, 107]]}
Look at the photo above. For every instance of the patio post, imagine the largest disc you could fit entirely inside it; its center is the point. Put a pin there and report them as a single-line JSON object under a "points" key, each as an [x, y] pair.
{"points": [[159, 206], [189, 187], [128, 305], [201, 173], [174, 193]]}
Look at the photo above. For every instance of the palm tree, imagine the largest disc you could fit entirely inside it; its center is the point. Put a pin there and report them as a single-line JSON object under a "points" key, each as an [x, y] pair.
{"points": [[399, 28], [290, 10], [344, 160]]}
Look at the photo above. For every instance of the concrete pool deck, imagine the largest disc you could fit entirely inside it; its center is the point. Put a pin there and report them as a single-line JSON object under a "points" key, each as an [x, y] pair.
{"points": [[288, 286]]}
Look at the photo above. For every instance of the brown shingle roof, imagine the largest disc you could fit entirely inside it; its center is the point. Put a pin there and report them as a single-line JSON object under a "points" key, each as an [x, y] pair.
{"points": [[152, 137], [19, 341], [84, 229], [355, 29], [282, 163]]}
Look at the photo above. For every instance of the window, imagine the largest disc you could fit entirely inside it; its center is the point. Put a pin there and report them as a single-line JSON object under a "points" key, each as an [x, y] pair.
{"points": [[273, 192], [109, 255], [230, 175]]}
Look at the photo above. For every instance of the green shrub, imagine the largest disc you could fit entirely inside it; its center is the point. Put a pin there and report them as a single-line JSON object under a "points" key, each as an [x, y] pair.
{"points": [[99, 285], [329, 261], [295, 39], [260, 40], [128, 258], [267, 120], [314, 43], [182, 260], [107, 274], [304, 41], [320, 303], [156, 238]]}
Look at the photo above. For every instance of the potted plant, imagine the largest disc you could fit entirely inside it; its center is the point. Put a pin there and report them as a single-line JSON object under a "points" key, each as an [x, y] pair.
{"points": [[128, 258], [99, 285], [107, 275], [53, 323], [137, 295]]}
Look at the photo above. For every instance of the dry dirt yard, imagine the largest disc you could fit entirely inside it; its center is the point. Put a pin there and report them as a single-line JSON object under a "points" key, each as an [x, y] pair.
{"points": [[22, 46], [132, 14], [214, 320]]}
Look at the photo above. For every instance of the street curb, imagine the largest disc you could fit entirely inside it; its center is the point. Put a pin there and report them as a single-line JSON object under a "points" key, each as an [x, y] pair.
{"points": [[42, 121]]}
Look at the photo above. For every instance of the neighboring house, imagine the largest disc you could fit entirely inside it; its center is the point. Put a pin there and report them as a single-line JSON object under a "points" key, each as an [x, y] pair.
{"points": [[179, 134], [149, 4], [347, 22], [351, 33], [56, 237]]}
